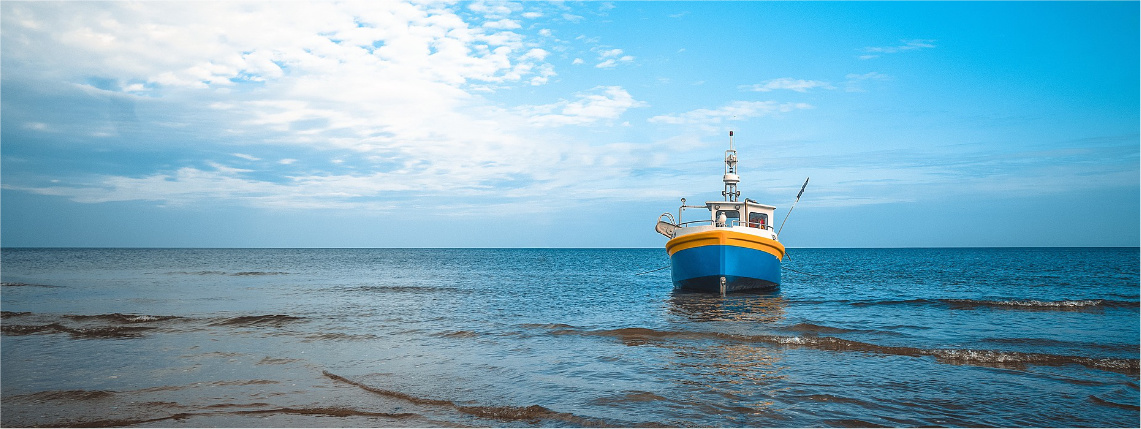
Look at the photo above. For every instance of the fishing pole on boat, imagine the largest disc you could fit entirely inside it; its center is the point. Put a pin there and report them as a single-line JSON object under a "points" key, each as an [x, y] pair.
{"points": [[793, 205]]}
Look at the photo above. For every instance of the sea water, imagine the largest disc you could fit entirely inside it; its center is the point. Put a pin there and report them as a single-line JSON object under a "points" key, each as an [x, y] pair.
{"points": [[566, 337]]}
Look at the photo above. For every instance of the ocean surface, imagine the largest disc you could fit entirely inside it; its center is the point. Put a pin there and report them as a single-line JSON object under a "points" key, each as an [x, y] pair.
{"points": [[1009, 337]]}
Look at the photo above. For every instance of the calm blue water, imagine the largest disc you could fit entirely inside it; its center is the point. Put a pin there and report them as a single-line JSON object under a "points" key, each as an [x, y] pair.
{"points": [[564, 337]]}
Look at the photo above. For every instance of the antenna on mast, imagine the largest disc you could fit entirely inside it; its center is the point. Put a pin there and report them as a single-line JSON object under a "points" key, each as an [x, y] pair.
{"points": [[731, 178]]}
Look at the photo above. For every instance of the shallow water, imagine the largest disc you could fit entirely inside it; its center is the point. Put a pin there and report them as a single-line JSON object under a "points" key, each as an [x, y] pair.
{"points": [[565, 337]]}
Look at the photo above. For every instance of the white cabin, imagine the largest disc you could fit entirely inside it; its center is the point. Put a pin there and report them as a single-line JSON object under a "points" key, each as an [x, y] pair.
{"points": [[748, 214]]}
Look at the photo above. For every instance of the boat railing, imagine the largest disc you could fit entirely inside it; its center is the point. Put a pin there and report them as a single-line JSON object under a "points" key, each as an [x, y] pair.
{"points": [[731, 222]]}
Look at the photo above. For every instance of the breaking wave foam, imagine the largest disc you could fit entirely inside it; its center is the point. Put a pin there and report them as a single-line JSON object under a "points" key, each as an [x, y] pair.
{"points": [[1064, 305], [121, 318], [1010, 304]]}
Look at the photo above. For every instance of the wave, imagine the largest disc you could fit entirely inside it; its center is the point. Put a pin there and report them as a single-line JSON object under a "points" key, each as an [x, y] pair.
{"points": [[276, 361], [1098, 400], [330, 411], [251, 405], [19, 284], [389, 393], [406, 289], [120, 325], [818, 329], [87, 330], [993, 358], [339, 336], [87, 333], [223, 273], [153, 411], [547, 325], [1046, 342], [533, 414], [457, 334], [117, 423], [835, 399], [242, 382], [918, 301], [635, 396], [68, 395], [121, 318], [1064, 305], [852, 423], [274, 320], [1013, 304], [312, 411]]}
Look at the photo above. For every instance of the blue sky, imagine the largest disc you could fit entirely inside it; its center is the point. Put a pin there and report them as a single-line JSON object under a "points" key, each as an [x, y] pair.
{"points": [[562, 124]]}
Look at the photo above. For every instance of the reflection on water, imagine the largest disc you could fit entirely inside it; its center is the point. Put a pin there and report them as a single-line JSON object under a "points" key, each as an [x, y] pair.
{"points": [[743, 375], [737, 307]]}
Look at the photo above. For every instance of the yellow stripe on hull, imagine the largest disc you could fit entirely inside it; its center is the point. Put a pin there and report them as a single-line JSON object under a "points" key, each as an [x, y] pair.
{"points": [[724, 237]]}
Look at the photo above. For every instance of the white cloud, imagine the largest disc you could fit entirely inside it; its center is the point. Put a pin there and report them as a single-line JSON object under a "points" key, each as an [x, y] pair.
{"points": [[213, 45], [385, 78], [798, 85], [246, 157], [546, 71], [611, 58], [494, 9], [604, 103], [606, 64], [386, 98], [503, 24], [907, 45], [867, 76], [609, 53], [737, 110], [535, 54], [854, 80]]}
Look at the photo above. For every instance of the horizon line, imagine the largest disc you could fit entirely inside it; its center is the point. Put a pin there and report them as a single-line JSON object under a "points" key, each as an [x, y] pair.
{"points": [[531, 247]]}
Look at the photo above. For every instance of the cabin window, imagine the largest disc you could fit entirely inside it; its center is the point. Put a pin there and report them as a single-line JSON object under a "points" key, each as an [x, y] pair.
{"points": [[732, 217], [759, 220]]}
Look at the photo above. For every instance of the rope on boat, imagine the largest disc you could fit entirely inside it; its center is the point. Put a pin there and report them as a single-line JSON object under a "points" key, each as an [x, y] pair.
{"points": [[647, 272]]}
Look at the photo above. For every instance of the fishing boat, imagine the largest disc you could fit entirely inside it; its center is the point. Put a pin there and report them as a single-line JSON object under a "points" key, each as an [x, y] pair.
{"points": [[734, 249]]}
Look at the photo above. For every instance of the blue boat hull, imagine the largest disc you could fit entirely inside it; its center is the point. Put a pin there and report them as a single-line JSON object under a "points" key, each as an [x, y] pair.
{"points": [[700, 269]]}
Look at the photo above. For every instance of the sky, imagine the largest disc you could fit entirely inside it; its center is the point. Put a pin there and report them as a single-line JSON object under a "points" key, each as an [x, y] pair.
{"points": [[565, 124]]}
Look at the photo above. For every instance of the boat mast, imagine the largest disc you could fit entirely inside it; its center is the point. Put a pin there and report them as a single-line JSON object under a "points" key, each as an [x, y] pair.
{"points": [[731, 179]]}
